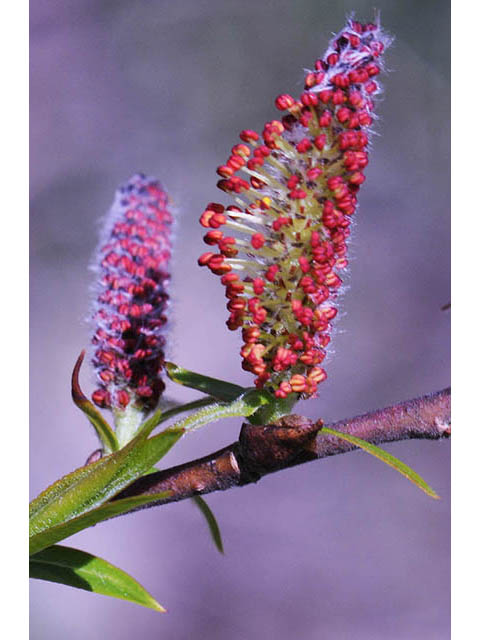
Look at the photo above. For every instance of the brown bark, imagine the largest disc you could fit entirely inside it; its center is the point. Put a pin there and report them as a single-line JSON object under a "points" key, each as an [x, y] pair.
{"points": [[261, 450]]}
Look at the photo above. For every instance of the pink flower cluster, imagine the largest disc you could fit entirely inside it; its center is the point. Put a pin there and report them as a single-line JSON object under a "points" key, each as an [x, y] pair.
{"points": [[131, 297], [280, 248]]}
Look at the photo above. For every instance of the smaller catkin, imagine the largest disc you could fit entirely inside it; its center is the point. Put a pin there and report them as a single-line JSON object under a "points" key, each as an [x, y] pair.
{"points": [[131, 300]]}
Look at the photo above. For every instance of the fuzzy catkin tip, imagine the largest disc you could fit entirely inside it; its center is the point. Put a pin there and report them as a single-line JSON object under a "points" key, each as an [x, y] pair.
{"points": [[129, 312], [280, 249]]}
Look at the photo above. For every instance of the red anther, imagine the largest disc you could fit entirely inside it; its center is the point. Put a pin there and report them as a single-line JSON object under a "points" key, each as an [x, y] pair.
{"points": [[250, 334], [332, 59], [254, 163], [362, 140], [320, 141], [354, 121], [123, 398], [258, 313], [229, 278], [325, 119], [236, 162], [205, 258], [311, 357], [257, 183], [304, 264], [354, 40], [338, 97], [257, 240], [310, 80], [298, 383], [293, 181], [212, 237], [217, 220], [241, 150], [340, 80], [236, 304], [314, 173], [225, 185], [304, 145], [307, 284], [319, 65], [357, 178], [296, 194], [343, 114], [317, 375], [234, 289], [371, 87], [357, 26], [227, 247], [306, 118], [284, 101], [309, 99], [361, 75], [356, 99], [364, 118], [280, 222], [271, 272], [247, 135], [325, 95], [284, 390], [234, 322], [328, 312], [347, 204], [106, 376], [101, 398], [333, 219], [258, 286], [372, 69], [262, 150], [333, 281], [105, 357]]}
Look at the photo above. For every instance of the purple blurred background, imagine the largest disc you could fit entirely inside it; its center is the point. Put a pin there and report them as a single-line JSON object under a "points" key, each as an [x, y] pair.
{"points": [[340, 549]]}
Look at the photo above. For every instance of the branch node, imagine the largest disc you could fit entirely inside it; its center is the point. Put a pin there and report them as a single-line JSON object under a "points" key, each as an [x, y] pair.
{"points": [[264, 449]]}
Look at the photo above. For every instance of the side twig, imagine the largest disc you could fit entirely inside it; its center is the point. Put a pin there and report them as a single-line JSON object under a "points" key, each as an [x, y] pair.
{"points": [[261, 450]]}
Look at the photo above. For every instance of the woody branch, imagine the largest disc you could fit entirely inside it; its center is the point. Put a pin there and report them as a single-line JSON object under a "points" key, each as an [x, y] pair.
{"points": [[261, 450]]}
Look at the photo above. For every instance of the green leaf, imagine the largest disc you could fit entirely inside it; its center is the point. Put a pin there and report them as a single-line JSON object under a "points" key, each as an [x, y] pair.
{"points": [[217, 388], [244, 406], [211, 522], [90, 486], [162, 416], [82, 570], [108, 510], [104, 431], [274, 409], [386, 457]]}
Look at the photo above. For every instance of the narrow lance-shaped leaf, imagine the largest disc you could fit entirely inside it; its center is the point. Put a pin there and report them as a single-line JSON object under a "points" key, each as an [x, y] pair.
{"points": [[103, 430], [82, 570], [211, 522], [386, 457], [219, 389], [161, 416]]}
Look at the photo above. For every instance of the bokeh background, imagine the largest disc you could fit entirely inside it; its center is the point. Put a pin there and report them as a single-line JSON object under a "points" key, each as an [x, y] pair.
{"points": [[340, 549]]}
